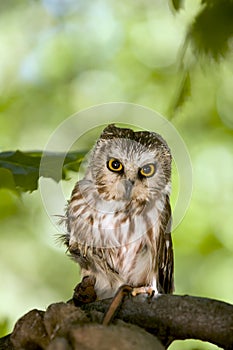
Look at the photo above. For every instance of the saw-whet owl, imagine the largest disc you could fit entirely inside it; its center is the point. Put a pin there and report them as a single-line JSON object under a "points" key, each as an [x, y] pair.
{"points": [[119, 218]]}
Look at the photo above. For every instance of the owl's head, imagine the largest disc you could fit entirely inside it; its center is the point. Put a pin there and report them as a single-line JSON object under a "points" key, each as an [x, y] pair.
{"points": [[130, 166]]}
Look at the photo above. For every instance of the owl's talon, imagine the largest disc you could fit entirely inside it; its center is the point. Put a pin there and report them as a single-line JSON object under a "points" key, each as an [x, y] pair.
{"points": [[150, 295], [118, 298], [143, 290]]}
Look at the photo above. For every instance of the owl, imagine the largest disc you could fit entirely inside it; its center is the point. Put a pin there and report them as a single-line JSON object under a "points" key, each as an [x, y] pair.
{"points": [[118, 219]]}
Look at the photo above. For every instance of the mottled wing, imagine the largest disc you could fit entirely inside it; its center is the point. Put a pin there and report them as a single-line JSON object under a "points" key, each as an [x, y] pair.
{"points": [[165, 253], [89, 258]]}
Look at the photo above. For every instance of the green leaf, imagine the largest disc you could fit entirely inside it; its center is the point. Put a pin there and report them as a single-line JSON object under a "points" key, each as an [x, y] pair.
{"points": [[213, 28], [21, 170], [177, 4], [4, 327], [7, 179]]}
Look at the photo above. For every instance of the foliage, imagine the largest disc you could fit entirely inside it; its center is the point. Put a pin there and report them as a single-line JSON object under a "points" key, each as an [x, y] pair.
{"points": [[4, 327], [213, 27], [21, 170]]}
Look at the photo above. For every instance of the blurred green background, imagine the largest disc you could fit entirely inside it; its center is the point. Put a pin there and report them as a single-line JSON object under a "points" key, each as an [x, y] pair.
{"points": [[60, 56]]}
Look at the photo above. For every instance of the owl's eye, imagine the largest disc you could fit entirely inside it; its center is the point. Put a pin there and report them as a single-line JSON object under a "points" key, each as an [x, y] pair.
{"points": [[115, 165], [147, 170]]}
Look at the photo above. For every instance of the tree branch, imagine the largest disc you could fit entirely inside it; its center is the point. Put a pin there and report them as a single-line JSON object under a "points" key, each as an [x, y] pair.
{"points": [[173, 317], [168, 317]]}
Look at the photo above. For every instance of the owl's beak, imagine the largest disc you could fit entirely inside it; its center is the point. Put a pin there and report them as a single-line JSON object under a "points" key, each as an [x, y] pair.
{"points": [[128, 188]]}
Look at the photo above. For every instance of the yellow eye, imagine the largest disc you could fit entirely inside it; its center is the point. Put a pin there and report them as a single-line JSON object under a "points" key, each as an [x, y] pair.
{"points": [[147, 170], [115, 165]]}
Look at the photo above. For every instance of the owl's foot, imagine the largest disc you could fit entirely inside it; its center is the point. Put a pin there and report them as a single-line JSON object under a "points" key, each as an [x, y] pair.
{"points": [[118, 298], [143, 290]]}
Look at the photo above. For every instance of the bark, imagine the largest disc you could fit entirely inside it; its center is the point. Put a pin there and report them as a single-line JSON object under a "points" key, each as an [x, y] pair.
{"points": [[174, 317], [64, 326]]}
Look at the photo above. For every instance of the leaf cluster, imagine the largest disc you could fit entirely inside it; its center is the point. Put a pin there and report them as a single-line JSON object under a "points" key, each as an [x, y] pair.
{"points": [[212, 28], [20, 171]]}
